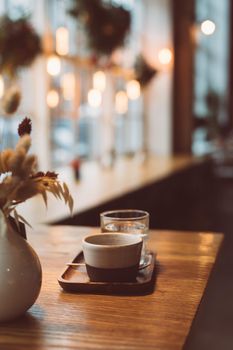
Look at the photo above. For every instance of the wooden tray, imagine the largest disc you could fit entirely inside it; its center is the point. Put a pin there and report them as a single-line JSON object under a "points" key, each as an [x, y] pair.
{"points": [[75, 279]]}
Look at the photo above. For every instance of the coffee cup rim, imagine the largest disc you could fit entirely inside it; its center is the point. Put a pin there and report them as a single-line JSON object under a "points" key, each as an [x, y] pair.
{"points": [[135, 241]]}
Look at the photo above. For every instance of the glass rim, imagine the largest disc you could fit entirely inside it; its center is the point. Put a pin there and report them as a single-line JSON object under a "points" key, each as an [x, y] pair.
{"points": [[108, 214]]}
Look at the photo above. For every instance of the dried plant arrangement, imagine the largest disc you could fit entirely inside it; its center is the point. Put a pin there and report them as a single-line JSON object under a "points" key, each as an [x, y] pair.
{"points": [[19, 44], [106, 24], [20, 179]]}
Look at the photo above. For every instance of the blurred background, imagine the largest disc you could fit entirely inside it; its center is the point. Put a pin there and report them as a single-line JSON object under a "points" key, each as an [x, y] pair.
{"points": [[106, 79]]}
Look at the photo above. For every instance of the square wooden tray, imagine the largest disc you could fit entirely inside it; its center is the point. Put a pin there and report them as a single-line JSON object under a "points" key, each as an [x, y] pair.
{"points": [[75, 279]]}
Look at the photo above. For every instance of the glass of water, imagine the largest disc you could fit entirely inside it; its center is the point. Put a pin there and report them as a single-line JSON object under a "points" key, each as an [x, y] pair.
{"points": [[128, 221]]}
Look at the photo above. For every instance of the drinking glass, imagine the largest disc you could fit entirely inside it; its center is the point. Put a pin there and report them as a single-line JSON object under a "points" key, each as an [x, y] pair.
{"points": [[128, 221]]}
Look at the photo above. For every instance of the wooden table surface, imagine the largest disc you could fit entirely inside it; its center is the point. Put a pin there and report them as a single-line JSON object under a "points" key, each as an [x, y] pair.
{"points": [[161, 320]]}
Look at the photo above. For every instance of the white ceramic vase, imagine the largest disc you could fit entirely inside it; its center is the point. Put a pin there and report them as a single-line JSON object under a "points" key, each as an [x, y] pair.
{"points": [[20, 273]]}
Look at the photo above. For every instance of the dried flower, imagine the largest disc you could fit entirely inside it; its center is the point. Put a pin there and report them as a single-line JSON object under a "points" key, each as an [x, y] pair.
{"points": [[113, 23], [25, 127], [19, 179], [19, 44], [144, 73], [11, 100]]}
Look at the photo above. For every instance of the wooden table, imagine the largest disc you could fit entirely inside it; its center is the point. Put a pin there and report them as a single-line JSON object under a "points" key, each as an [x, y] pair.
{"points": [[161, 320]]}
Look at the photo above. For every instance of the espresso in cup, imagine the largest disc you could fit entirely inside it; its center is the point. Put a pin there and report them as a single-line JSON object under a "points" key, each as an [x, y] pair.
{"points": [[112, 256]]}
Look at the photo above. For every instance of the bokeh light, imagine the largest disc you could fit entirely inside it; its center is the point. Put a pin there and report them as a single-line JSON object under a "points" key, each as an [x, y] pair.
{"points": [[133, 89], [121, 102], [94, 98], [208, 27], [62, 41], [52, 98], [53, 65], [165, 56], [99, 80]]}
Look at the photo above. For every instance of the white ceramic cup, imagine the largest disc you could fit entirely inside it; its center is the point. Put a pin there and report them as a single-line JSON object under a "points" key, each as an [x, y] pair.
{"points": [[112, 256]]}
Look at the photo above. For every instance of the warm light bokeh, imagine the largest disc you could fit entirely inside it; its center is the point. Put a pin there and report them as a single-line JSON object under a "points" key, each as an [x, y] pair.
{"points": [[133, 89], [68, 86], [99, 81], [165, 56], [52, 98], [121, 102], [62, 41], [53, 65], [94, 98]]}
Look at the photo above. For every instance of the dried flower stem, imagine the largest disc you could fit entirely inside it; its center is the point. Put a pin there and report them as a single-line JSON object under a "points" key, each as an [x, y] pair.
{"points": [[20, 181]]}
